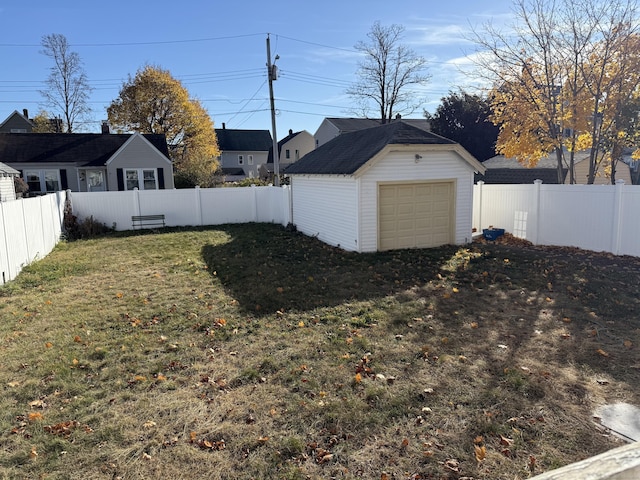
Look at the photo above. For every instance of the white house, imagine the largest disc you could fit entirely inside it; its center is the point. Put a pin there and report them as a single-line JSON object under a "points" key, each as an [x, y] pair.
{"points": [[7, 185], [391, 186]]}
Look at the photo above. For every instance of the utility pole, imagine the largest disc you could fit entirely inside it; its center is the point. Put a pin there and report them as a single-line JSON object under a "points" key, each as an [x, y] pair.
{"points": [[272, 73]]}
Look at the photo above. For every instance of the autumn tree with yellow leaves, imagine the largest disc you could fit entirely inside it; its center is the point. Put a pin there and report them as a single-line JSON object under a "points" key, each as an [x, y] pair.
{"points": [[564, 80], [155, 102]]}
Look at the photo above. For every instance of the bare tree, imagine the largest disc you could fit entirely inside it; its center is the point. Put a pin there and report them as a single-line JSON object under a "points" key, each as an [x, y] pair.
{"points": [[68, 86], [386, 71]]}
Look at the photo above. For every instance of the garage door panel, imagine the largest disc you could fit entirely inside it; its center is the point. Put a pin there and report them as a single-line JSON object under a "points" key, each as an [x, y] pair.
{"points": [[415, 215]]}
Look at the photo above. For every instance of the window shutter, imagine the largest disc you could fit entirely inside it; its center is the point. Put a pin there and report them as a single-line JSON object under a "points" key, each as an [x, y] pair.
{"points": [[63, 179], [161, 178], [120, 176]]}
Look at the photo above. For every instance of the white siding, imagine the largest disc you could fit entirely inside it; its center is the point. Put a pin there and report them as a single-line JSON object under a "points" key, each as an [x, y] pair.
{"points": [[326, 131], [7, 189], [401, 166], [326, 206]]}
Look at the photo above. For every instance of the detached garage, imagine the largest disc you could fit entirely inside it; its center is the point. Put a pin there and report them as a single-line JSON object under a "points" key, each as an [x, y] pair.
{"points": [[383, 188]]}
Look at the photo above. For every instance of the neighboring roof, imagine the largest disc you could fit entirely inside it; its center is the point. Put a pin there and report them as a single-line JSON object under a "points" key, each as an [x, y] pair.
{"points": [[244, 140], [6, 170], [233, 171], [550, 161], [84, 149], [18, 114], [345, 125], [346, 153], [519, 175]]}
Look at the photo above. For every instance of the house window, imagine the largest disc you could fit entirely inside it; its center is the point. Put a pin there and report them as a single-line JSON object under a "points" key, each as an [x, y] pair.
{"points": [[297, 154], [250, 159], [287, 153], [140, 178], [43, 180], [240, 159], [18, 130]]}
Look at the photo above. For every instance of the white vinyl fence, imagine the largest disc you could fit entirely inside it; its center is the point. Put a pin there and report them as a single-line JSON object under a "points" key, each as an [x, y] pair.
{"points": [[186, 207], [592, 217], [29, 229]]}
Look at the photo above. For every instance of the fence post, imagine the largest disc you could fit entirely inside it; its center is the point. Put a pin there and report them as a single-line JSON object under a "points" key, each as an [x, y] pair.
{"points": [[535, 238], [254, 190], [136, 201], [616, 236], [198, 199], [479, 186]]}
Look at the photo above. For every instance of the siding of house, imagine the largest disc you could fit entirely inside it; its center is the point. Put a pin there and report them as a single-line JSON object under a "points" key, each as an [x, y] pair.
{"points": [[229, 159], [582, 174], [303, 143], [326, 206], [7, 190], [137, 153], [326, 131], [16, 123], [400, 167]]}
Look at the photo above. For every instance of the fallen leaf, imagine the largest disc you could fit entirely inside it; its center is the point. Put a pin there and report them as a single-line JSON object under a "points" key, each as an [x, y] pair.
{"points": [[77, 339], [602, 352], [505, 441], [263, 440], [480, 452], [358, 378], [628, 344], [35, 416], [48, 345], [474, 324], [33, 454], [149, 424]]}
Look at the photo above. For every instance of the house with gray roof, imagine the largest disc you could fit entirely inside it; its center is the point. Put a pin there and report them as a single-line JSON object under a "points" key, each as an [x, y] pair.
{"points": [[86, 162], [242, 152], [501, 170], [390, 186], [331, 127]]}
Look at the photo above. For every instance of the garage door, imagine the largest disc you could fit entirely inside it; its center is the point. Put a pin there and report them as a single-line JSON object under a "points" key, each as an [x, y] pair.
{"points": [[415, 215]]}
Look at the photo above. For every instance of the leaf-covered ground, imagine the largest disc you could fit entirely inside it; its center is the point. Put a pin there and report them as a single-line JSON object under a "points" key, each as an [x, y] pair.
{"points": [[248, 351]]}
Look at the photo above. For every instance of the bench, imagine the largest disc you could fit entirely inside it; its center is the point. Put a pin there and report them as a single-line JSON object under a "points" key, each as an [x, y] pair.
{"points": [[147, 221]]}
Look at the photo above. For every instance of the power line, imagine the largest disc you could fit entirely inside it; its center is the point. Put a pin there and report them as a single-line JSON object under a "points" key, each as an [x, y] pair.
{"points": [[130, 44]]}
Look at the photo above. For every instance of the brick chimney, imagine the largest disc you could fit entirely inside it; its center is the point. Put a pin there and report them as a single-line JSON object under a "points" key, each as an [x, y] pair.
{"points": [[25, 112], [105, 127]]}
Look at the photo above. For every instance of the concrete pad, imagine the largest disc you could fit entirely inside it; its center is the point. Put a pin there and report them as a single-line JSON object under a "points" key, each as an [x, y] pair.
{"points": [[623, 419]]}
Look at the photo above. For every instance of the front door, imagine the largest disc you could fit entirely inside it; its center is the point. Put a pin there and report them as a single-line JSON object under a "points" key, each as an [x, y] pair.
{"points": [[95, 181]]}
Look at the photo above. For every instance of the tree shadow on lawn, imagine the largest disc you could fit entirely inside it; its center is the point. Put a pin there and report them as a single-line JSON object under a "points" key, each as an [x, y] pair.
{"points": [[512, 292]]}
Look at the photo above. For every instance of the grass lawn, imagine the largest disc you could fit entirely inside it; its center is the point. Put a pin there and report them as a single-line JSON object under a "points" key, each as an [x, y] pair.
{"points": [[247, 351]]}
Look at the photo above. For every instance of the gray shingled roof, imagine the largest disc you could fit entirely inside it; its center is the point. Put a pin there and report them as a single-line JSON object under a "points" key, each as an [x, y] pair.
{"points": [[345, 125], [348, 152], [244, 140], [518, 176], [84, 149]]}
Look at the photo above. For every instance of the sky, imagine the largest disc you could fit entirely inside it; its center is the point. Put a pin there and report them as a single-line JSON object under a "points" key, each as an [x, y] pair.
{"points": [[218, 51]]}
